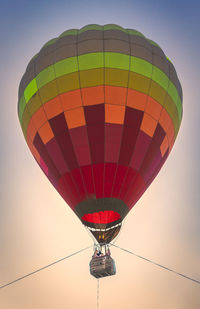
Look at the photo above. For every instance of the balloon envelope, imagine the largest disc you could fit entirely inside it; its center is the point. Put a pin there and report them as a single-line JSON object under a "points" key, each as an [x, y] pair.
{"points": [[100, 109]]}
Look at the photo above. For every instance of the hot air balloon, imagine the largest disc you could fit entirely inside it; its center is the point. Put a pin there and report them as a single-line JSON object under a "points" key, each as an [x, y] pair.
{"points": [[100, 109]]}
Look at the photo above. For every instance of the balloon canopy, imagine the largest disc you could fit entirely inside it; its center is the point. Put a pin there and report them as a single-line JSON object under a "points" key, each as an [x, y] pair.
{"points": [[100, 109]]}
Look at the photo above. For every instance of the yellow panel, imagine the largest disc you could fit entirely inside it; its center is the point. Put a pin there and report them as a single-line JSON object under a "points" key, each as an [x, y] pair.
{"points": [[75, 118], [148, 125], [114, 113], [91, 78], [164, 146], [46, 133]]}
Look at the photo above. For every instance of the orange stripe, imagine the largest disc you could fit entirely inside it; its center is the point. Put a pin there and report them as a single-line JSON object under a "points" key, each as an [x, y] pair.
{"points": [[153, 108], [93, 95], [115, 95], [165, 120], [53, 107], [39, 118], [31, 130], [136, 99], [71, 99]]}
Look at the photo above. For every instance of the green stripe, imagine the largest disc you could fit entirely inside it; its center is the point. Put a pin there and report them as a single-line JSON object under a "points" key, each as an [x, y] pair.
{"points": [[45, 76], [95, 60], [30, 90], [91, 61], [22, 105], [114, 77], [66, 66], [117, 61], [160, 77], [141, 66]]}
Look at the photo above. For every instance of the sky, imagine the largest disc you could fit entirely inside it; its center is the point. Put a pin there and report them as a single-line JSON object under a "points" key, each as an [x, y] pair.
{"points": [[37, 227]]}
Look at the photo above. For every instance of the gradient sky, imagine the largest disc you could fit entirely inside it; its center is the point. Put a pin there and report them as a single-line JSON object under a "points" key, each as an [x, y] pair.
{"points": [[36, 226]]}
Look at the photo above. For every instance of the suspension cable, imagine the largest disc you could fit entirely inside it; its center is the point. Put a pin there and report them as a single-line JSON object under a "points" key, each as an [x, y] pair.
{"points": [[42, 268], [120, 231], [159, 265], [98, 293]]}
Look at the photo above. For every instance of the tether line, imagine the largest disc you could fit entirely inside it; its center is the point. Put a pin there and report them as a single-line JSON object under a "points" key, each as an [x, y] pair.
{"points": [[159, 265], [42, 268], [97, 293]]}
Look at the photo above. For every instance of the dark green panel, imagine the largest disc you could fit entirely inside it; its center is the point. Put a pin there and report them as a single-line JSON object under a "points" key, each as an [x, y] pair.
{"points": [[157, 92], [21, 107], [25, 120], [114, 77], [171, 109], [48, 91], [91, 78], [34, 103], [68, 82], [138, 82], [96, 205]]}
